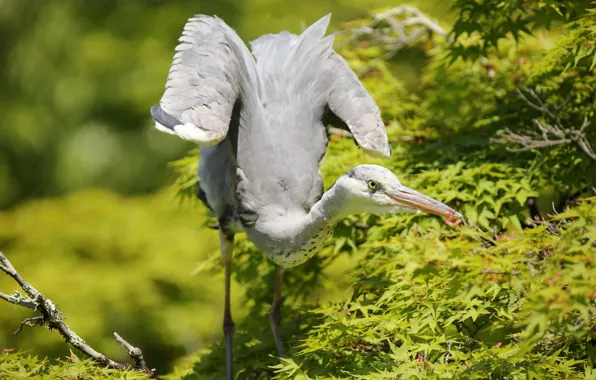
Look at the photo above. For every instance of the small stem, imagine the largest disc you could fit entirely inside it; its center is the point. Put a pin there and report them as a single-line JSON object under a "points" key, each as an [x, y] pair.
{"points": [[31, 321], [135, 353]]}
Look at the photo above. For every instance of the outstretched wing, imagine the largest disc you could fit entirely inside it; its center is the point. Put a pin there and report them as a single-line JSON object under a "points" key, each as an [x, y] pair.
{"points": [[348, 103], [211, 71], [351, 105]]}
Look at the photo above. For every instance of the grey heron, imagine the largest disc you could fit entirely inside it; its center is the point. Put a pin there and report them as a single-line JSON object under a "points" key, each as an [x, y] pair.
{"points": [[259, 118]]}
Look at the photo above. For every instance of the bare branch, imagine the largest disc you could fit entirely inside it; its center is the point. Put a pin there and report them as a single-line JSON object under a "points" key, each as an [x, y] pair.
{"points": [[51, 317], [31, 321], [394, 29], [558, 132], [540, 106], [135, 353], [529, 145], [585, 125], [20, 300], [7, 268], [586, 148]]}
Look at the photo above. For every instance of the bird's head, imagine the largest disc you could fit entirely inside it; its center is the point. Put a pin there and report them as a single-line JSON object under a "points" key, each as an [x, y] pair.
{"points": [[375, 189]]}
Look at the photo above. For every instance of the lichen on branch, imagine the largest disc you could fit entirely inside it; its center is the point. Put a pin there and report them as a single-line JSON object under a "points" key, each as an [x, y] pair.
{"points": [[51, 317]]}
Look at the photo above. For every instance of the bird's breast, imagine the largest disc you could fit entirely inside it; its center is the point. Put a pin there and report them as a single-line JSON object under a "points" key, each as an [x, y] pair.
{"points": [[299, 253]]}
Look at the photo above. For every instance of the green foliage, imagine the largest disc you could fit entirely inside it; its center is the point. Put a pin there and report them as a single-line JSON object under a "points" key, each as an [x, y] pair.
{"points": [[463, 304], [18, 365], [482, 24]]}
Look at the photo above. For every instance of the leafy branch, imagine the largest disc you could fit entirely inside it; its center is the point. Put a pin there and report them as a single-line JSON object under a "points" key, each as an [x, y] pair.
{"points": [[558, 131], [51, 317], [482, 24]]}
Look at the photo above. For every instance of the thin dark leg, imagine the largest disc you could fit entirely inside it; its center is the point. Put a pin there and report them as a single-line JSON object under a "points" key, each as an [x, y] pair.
{"points": [[275, 312], [226, 245]]}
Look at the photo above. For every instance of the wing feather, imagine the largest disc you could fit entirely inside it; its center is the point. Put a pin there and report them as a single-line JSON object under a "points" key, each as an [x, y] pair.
{"points": [[211, 70], [353, 105], [309, 61]]}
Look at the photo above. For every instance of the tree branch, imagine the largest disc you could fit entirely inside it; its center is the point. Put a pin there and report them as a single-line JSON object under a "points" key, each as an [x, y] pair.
{"points": [[560, 131], [394, 29], [51, 317]]}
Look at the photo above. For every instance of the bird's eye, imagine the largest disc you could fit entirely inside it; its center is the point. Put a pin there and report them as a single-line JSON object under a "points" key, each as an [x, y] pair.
{"points": [[373, 185]]}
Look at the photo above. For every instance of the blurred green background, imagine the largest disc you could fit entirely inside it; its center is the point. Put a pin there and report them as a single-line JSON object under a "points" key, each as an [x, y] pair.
{"points": [[83, 175]]}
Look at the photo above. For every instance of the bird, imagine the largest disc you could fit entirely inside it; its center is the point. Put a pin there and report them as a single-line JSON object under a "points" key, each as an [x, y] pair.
{"points": [[259, 116]]}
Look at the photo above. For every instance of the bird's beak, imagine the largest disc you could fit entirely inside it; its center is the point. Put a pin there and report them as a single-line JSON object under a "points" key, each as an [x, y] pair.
{"points": [[406, 197]]}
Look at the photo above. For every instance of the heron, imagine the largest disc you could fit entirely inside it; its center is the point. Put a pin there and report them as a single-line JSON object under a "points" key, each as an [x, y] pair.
{"points": [[259, 117]]}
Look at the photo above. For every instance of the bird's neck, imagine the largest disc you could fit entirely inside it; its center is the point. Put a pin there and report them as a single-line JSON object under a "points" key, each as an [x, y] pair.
{"points": [[324, 214], [299, 237]]}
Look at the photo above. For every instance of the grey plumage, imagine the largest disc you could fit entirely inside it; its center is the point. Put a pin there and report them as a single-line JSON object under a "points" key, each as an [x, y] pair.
{"points": [[210, 71], [260, 123], [261, 127]]}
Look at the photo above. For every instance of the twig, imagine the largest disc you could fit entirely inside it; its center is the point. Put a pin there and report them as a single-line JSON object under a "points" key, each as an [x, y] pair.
{"points": [[51, 317], [135, 353], [31, 321], [559, 132], [391, 30], [538, 107]]}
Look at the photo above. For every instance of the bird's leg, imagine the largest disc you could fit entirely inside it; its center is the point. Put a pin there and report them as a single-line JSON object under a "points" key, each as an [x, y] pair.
{"points": [[274, 312], [227, 247]]}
